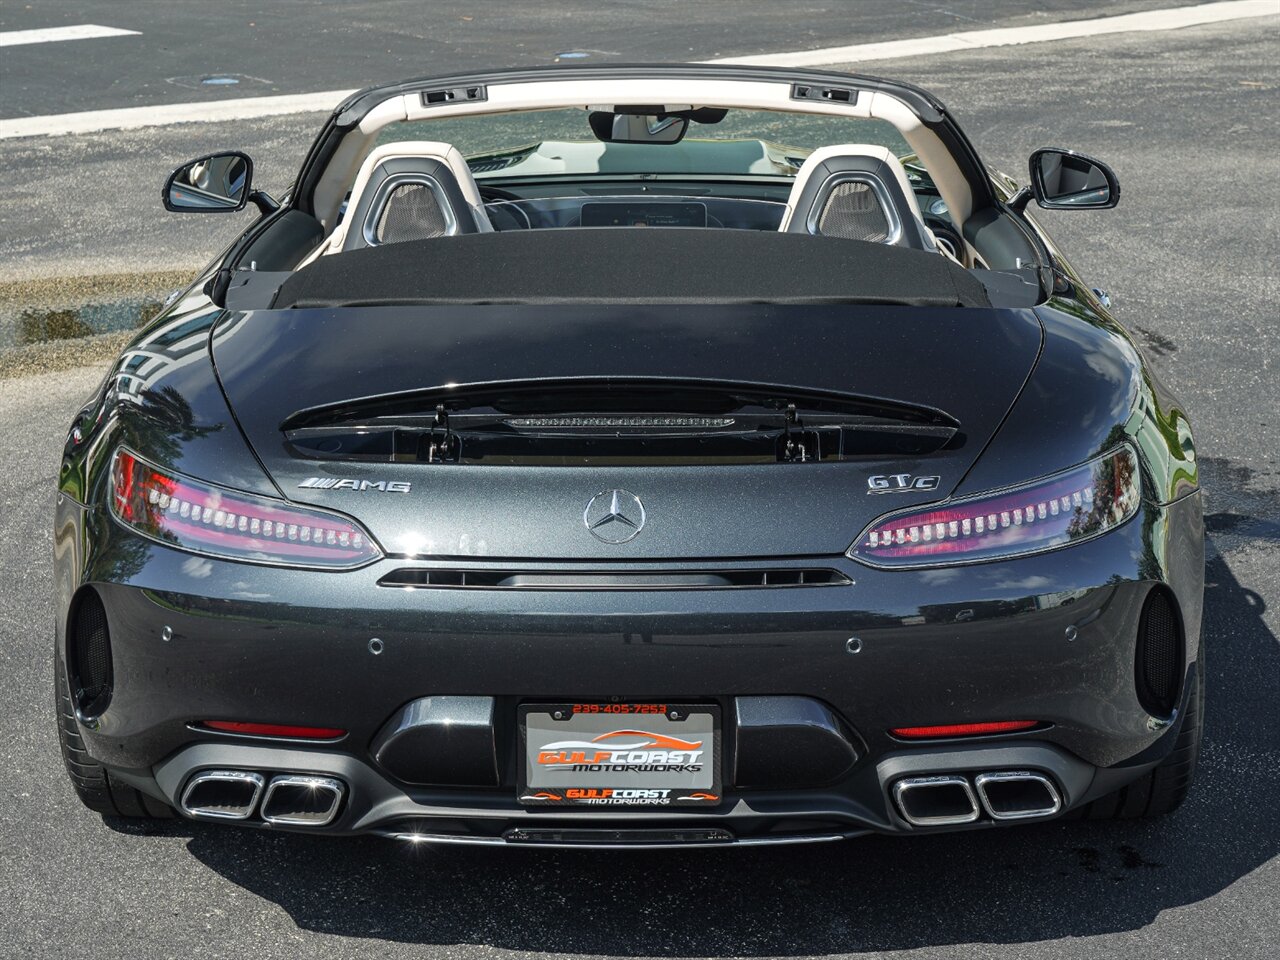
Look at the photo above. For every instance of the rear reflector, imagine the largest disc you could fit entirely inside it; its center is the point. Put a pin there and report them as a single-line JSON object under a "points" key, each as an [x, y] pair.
{"points": [[275, 730], [963, 729]]}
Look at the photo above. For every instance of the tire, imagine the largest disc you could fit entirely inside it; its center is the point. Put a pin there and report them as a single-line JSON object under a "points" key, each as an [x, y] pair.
{"points": [[1162, 789], [92, 782]]}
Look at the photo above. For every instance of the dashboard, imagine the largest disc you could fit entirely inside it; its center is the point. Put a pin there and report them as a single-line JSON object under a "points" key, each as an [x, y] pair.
{"points": [[635, 211], [759, 205]]}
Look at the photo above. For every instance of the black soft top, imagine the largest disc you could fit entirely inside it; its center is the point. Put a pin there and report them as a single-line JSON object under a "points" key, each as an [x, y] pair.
{"points": [[632, 265]]}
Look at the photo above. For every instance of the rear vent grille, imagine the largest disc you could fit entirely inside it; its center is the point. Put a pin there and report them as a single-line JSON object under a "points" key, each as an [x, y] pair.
{"points": [[603, 422], [459, 579], [89, 656], [1159, 658]]}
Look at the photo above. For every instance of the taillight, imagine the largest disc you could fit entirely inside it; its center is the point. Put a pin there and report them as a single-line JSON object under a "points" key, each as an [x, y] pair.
{"points": [[1068, 507], [203, 518]]}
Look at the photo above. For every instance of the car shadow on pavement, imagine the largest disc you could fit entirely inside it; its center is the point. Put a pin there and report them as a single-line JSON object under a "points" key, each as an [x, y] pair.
{"points": [[1032, 883]]}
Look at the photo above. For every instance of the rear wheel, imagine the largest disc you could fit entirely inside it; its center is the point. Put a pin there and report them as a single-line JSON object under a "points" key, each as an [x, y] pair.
{"points": [[1163, 788], [94, 786]]}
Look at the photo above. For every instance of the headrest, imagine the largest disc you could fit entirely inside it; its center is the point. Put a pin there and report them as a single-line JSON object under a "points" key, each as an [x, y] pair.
{"points": [[410, 190], [856, 191]]}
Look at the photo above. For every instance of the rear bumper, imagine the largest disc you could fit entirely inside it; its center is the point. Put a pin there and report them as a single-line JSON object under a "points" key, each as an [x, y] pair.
{"points": [[1049, 638], [376, 804]]}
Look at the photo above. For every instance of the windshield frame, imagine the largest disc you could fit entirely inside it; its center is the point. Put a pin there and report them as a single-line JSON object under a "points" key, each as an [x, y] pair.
{"points": [[745, 141], [919, 116]]}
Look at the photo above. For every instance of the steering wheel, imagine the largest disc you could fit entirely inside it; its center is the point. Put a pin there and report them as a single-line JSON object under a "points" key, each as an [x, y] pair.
{"points": [[947, 235], [492, 194], [505, 217]]}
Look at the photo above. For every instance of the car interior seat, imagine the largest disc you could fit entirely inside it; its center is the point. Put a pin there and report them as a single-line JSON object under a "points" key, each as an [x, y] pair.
{"points": [[859, 192], [410, 190]]}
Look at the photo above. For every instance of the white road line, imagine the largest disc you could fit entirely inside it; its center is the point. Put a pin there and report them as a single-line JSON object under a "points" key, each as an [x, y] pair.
{"points": [[135, 118], [81, 31], [132, 118], [1171, 18]]}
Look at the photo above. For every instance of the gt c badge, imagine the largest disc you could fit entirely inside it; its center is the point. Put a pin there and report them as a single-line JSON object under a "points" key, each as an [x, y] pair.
{"points": [[900, 483]]}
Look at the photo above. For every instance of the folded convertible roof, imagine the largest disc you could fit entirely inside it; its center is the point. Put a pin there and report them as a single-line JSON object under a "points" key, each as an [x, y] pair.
{"points": [[632, 265]]}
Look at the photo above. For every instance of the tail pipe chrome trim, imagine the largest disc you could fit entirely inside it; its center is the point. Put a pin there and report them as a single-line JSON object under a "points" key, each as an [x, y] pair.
{"points": [[944, 800], [222, 794], [298, 800], [1017, 795]]}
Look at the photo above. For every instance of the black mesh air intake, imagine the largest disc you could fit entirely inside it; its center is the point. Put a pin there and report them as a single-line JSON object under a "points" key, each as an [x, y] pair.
{"points": [[1159, 660], [89, 655]]}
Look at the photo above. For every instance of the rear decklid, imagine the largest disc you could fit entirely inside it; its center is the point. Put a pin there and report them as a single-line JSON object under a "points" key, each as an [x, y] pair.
{"points": [[945, 377]]}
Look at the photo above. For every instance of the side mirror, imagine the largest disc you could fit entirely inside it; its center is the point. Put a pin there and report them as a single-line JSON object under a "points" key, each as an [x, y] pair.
{"points": [[638, 127], [218, 183], [1066, 180]]}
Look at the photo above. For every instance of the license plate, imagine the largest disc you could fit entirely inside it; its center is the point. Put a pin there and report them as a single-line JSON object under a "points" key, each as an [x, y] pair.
{"points": [[620, 754]]}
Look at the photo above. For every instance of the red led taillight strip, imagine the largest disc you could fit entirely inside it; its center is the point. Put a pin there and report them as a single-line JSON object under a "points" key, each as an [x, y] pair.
{"points": [[203, 518], [963, 729], [1071, 506]]}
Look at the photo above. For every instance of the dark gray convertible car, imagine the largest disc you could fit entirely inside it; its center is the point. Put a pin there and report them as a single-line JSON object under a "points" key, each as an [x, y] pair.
{"points": [[633, 456]]}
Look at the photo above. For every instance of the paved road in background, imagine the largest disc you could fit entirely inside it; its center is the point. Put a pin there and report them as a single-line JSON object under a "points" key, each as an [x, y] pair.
{"points": [[1188, 118], [97, 194], [300, 46]]}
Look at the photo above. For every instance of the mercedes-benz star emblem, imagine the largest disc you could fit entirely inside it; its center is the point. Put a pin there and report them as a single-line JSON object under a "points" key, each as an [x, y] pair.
{"points": [[614, 516]]}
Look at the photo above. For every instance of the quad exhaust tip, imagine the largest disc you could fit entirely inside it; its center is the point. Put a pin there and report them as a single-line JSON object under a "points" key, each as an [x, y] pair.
{"points": [[1017, 795], [938, 801], [302, 801], [288, 799], [950, 799], [222, 794]]}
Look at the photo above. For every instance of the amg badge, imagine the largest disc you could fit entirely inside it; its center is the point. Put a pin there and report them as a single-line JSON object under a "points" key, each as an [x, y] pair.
{"points": [[343, 483]]}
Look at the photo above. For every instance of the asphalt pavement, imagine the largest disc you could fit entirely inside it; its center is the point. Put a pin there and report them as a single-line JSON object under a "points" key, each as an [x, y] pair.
{"points": [[1188, 118], [299, 46]]}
